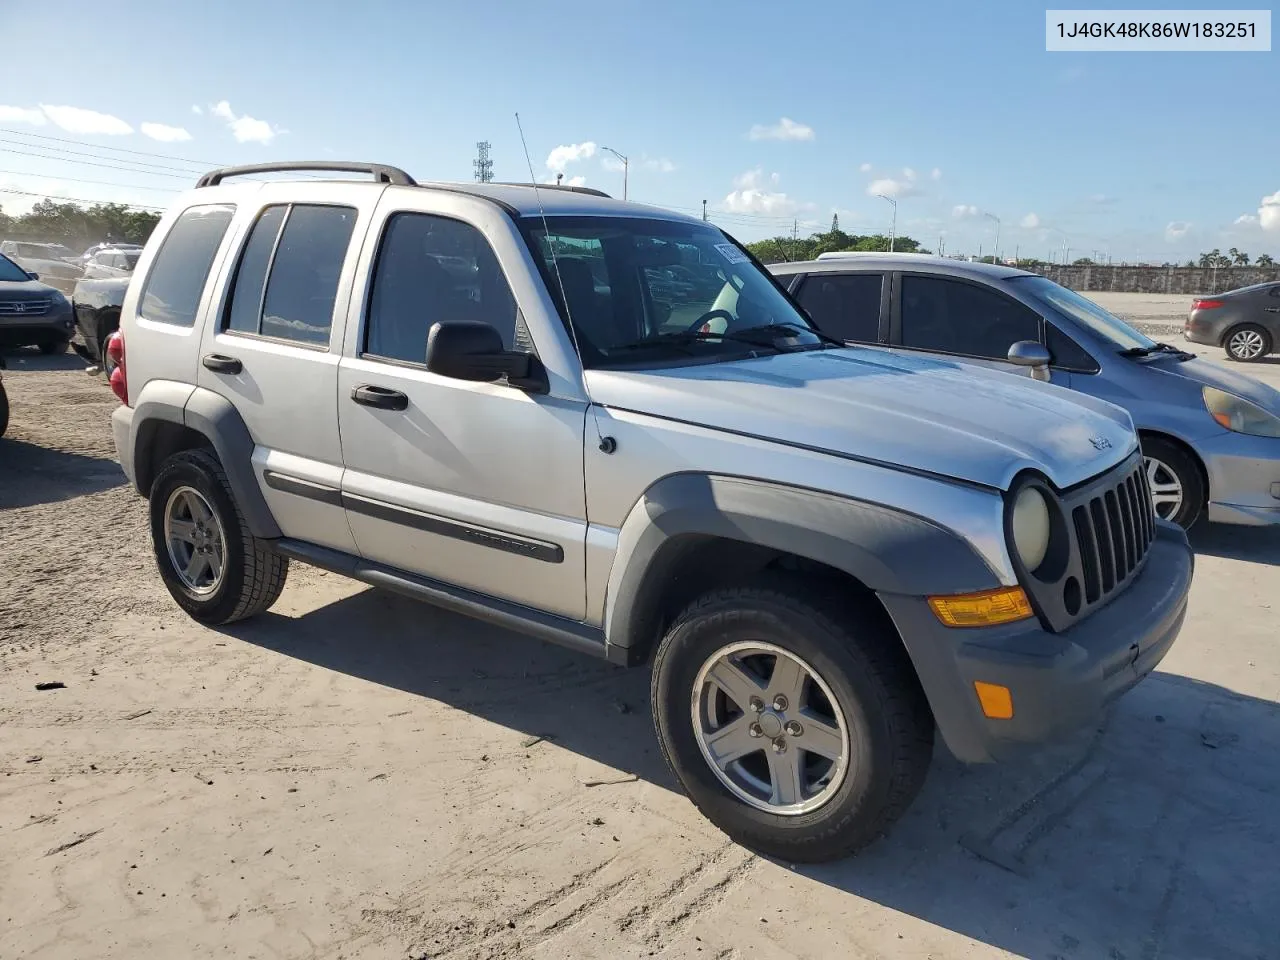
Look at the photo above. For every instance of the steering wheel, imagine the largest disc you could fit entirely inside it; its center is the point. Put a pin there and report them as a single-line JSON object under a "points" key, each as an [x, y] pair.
{"points": [[708, 317]]}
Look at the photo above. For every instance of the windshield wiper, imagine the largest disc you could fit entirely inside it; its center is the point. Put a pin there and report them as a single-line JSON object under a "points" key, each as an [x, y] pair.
{"points": [[1157, 348], [788, 329]]}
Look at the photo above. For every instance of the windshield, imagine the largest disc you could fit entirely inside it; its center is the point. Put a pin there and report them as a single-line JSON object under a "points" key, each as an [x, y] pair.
{"points": [[10, 272], [1106, 325], [43, 251], [649, 291]]}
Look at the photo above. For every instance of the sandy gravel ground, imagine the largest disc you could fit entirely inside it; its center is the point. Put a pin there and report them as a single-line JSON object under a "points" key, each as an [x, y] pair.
{"points": [[354, 776]]}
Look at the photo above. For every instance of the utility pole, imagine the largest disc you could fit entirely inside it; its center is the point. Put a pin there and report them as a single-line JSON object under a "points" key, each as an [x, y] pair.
{"points": [[704, 211], [995, 254], [1016, 248], [625, 166], [795, 230], [483, 165], [893, 224]]}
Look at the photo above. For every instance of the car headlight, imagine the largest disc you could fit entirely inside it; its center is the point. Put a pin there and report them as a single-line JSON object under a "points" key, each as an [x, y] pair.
{"points": [[1239, 415], [1030, 526]]}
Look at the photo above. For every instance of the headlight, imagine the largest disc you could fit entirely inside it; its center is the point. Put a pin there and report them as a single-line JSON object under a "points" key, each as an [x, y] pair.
{"points": [[1030, 524], [1239, 415]]}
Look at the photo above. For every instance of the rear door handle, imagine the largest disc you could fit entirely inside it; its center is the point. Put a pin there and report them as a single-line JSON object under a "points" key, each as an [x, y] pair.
{"points": [[220, 364], [373, 396]]}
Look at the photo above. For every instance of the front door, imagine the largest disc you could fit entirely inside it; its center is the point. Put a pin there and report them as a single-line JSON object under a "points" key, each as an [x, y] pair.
{"points": [[478, 485]]}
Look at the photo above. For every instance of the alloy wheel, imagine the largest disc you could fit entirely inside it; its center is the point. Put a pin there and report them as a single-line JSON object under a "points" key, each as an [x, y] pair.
{"points": [[195, 540]]}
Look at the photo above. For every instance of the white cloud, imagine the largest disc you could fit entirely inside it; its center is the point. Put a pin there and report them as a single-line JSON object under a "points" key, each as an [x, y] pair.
{"points": [[784, 129], [909, 173], [612, 163], [891, 188], [936, 174], [1176, 230], [750, 195], [1030, 221], [164, 133], [1101, 199], [565, 154], [79, 120], [1269, 212], [245, 129], [21, 115], [965, 211], [865, 168], [1245, 220], [195, 108], [660, 164]]}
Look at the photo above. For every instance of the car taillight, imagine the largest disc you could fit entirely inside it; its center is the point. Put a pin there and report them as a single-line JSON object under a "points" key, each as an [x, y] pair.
{"points": [[115, 353], [1205, 304]]}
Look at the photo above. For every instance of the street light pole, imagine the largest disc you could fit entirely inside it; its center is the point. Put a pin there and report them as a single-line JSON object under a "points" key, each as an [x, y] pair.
{"points": [[893, 224], [996, 252], [625, 166]]}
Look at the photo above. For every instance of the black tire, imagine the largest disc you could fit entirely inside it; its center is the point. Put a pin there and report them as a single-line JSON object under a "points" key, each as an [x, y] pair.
{"points": [[859, 656], [54, 347], [1267, 343], [1187, 470], [4, 410], [253, 576]]}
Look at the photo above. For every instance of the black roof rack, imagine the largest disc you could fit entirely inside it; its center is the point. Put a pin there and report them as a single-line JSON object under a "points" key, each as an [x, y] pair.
{"points": [[590, 191], [380, 172]]}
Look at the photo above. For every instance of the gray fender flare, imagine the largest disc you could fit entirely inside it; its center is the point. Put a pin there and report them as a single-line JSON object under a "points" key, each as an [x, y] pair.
{"points": [[214, 417], [888, 550]]}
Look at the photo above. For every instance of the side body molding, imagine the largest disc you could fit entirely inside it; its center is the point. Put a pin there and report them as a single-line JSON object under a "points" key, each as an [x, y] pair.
{"points": [[888, 550], [216, 418]]}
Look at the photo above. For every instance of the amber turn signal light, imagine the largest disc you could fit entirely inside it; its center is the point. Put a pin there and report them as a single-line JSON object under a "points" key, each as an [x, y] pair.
{"points": [[985, 609], [996, 700]]}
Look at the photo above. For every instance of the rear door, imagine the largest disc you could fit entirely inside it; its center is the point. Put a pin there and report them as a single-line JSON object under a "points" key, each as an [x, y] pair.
{"points": [[478, 485], [273, 344]]}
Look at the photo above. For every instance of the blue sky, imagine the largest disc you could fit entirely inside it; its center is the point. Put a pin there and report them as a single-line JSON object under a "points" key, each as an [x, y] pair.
{"points": [[956, 108]]}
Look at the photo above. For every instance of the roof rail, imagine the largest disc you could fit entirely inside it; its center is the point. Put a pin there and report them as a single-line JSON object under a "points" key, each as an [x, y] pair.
{"points": [[380, 172], [590, 191]]}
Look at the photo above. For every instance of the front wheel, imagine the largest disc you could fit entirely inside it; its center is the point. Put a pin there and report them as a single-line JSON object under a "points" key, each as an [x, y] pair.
{"points": [[1247, 343], [794, 721], [54, 347], [215, 569], [1177, 486]]}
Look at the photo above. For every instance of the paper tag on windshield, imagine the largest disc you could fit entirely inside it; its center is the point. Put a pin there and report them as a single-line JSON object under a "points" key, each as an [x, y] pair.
{"points": [[731, 253]]}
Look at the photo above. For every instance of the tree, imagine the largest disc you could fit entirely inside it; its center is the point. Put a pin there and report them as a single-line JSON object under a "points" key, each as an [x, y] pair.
{"points": [[1265, 260], [78, 226], [1238, 259], [1083, 262], [780, 248], [1209, 259]]}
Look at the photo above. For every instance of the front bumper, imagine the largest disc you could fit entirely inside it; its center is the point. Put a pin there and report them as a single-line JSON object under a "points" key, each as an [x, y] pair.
{"points": [[22, 330], [1244, 478], [1059, 682]]}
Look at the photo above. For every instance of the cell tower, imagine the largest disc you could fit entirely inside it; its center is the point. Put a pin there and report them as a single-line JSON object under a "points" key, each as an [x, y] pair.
{"points": [[482, 163]]}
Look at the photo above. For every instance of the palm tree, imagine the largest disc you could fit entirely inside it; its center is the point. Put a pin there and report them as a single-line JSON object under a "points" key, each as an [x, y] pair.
{"points": [[1265, 260], [1238, 259], [1209, 259]]}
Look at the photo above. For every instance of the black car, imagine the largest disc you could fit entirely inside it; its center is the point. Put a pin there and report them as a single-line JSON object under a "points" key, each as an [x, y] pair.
{"points": [[97, 315], [32, 313]]}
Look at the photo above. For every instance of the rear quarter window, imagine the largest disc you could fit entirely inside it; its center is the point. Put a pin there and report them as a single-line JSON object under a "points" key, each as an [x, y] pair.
{"points": [[177, 278]]}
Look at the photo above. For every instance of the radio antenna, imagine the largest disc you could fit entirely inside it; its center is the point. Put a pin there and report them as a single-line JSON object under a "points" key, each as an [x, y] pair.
{"points": [[555, 265]]}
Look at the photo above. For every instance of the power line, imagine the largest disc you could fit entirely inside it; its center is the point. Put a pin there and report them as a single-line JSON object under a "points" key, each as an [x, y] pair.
{"points": [[81, 153], [91, 163], [97, 183], [205, 164], [50, 196]]}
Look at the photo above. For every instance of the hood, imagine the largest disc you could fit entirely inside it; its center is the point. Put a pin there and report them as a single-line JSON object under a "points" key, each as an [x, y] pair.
{"points": [[916, 412], [28, 290], [1216, 375]]}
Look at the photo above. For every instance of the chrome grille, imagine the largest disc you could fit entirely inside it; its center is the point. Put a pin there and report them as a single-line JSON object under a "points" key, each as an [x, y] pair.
{"points": [[1114, 530], [24, 308]]}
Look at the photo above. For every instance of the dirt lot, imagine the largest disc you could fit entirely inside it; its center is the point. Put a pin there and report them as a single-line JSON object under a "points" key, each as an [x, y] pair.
{"points": [[356, 776]]}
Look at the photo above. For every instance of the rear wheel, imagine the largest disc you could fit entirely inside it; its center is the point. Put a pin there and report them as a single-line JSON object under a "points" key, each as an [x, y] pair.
{"points": [[794, 721], [215, 569], [4, 410], [1177, 485], [1247, 343]]}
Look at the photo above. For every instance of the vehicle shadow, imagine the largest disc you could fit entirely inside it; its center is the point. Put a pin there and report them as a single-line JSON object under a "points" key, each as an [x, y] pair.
{"points": [[1252, 544], [19, 361], [1153, 835], [31, 474]]}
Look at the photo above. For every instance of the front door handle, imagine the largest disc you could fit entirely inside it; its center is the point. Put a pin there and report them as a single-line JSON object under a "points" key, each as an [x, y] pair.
{"points": [[220, 364], [372, 396]]}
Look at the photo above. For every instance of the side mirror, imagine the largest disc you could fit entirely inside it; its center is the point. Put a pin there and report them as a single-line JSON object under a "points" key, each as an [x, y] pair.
{"points": [[33, 275], [1029, 353], [467, 350]]}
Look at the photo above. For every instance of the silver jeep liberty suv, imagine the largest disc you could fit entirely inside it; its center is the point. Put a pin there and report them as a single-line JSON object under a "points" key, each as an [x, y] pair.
{"points": [[607, 426]]}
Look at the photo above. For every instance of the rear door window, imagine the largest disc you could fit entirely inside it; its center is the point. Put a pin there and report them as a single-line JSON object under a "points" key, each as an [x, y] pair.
{"points": [[177, 278], [965, 319], [844, 305], [298, 250]]}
